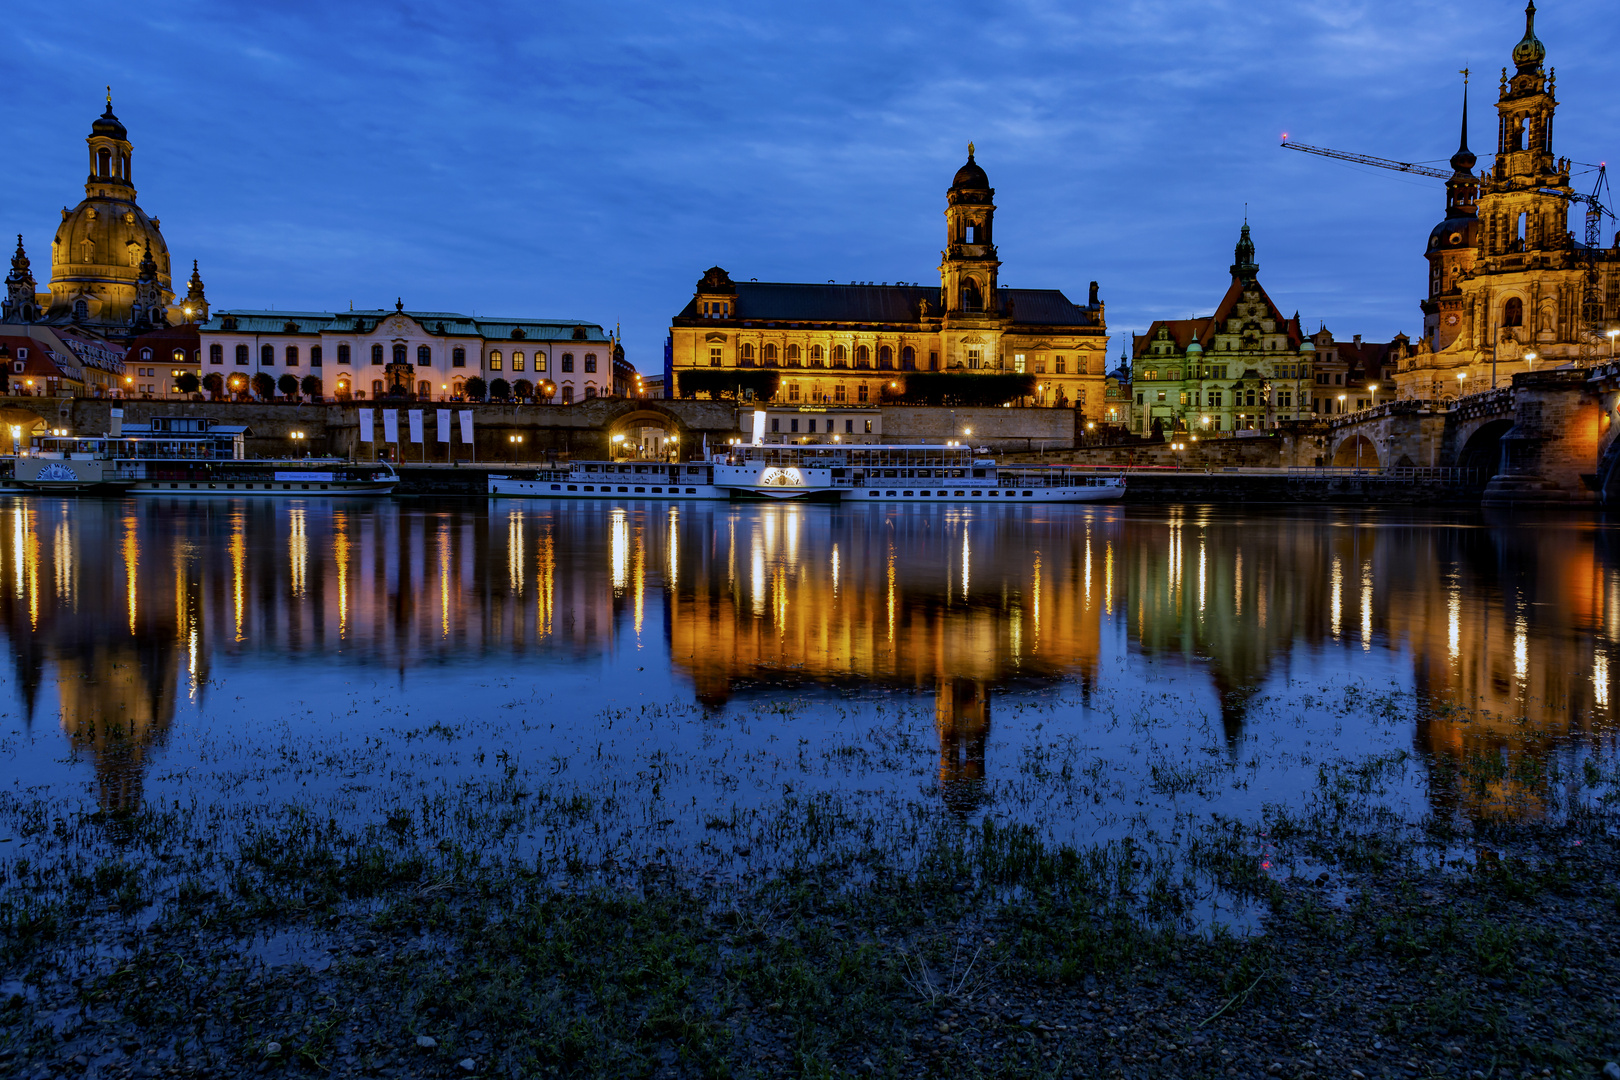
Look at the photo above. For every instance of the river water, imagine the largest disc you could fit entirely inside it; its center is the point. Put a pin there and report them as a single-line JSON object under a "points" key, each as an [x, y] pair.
{"points": [[1091, 670]]}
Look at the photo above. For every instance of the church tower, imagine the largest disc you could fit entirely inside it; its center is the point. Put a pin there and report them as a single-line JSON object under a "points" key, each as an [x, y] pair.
{"points": [[1451, 245], [96, 257], [969, 265], [195, 305], [21, 305]]}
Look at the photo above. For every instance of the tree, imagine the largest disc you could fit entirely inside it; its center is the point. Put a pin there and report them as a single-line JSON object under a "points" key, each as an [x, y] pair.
{"points": [[288, 385], [1158, 428], [733, 384], [214, 383], [311, 385], [523, 389], [476, 389], [264, 385], [187, 383], [500, 390]]}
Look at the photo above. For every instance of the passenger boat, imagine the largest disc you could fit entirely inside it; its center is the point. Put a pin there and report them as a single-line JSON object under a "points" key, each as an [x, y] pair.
{"points": [[848, 473], [187, 455]]}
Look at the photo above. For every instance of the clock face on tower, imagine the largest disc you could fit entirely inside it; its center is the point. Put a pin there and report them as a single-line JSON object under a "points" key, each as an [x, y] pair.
{"points": [[1451, 320]]}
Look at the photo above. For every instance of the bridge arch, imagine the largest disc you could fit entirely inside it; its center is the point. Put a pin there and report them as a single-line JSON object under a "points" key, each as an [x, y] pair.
{"points": [[1356, 451], [649, 430], [28, 422], [1482, 448]]}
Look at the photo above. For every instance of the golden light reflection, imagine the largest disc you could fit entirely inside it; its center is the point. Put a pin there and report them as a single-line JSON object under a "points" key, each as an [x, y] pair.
{"points": [[444, 577], [546, 582], [238, 550], [65, 565], [297, 550], [1366, 605], [1035, 604], [1453, 620], [967, 562], [19, 533], [1237, 582], [638, 572], [619, 548], [132, 561], [1521, 648], [1336, 583], [672, 549], [514, 551], [1600, 679], [1086, 562], [340, 556], [756, 570], [1203, 574]]}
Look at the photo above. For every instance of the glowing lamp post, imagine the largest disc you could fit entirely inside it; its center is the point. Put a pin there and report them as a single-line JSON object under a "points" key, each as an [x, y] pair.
{"points": [[1612, 335], [1530, 358]]}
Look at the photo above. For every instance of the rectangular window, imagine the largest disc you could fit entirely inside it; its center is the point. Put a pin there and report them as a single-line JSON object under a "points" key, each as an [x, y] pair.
{"points": [[975, 359], [1059, 365], [776, 423], [869, 427], [292, 356], [933, 361], [242, 355], [540, 361], [1184, 397], [458, 358], [314, 356], [590, 363], [793, 394], [793, 425], [1161, 397], [517, 361], [1139, 399], [343, 353], [495, 361], [1040, 366], [1018, 361], [812, 423], [714, 359], [849, 425], [376, 355], [861, 393], [267, 355], [840, 393]]}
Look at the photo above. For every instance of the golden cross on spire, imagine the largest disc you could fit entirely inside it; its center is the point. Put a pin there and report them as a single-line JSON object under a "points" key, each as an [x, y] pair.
{"points": [[1464, 74], [109, 97]]}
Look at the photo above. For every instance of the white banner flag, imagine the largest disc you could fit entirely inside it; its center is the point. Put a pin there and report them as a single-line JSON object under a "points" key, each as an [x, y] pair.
{"points": [[390, 425], [416, 425], [367, 433], [442, 425], [466, 426]]}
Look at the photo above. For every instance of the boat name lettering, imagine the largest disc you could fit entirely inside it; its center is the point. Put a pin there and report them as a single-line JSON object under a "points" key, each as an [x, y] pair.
{"points": [[308, 477]]}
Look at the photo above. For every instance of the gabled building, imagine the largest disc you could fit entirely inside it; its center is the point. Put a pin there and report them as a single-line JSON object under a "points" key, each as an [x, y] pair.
{"points": [[1246, 367]]}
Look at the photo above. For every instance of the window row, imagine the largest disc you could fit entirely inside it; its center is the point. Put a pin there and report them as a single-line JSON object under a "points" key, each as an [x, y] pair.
{"points": [[817, 356], [793, 425], [566, 362]]}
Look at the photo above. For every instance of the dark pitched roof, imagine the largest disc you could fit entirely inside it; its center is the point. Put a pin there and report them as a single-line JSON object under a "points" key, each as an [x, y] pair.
{"points": [[769, 301]]}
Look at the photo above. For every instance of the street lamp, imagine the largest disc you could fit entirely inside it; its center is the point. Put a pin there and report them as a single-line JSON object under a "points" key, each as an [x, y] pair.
{"points": [[1612, 335], [1341, 402], [1374, 388], [1530, 358]]}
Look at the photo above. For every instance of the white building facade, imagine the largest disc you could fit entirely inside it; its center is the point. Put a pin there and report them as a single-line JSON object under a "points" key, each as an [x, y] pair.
{"points": [[359, 355]]}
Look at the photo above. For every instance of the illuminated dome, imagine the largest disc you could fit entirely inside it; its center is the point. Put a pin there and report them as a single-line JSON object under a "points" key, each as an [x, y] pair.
{"points": [[970, 176]]}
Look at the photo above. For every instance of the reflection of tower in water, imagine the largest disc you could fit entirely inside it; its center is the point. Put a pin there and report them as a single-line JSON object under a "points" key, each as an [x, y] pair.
{"points": [[962, 720]]}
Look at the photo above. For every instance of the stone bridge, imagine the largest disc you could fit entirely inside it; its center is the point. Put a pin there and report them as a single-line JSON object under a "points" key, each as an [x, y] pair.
{"points": [[1538, 440]]}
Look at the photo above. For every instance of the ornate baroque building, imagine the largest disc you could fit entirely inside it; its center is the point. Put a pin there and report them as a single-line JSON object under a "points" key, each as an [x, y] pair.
{"points": [[1510, 286], [845, 344]]}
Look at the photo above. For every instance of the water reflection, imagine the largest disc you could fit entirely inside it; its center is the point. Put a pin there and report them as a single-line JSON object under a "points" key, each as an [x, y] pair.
{"points": [[127, 609]]}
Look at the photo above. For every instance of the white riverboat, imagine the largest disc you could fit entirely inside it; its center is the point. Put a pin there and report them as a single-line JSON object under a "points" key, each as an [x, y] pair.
{"points": [[828, 473], [188, 455]]}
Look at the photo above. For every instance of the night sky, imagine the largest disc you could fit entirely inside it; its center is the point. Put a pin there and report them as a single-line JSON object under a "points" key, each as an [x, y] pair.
{"points": [[589, 161]]}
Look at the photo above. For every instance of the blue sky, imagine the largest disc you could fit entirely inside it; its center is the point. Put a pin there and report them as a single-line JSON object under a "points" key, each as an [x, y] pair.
{"points": [[591, 160]]}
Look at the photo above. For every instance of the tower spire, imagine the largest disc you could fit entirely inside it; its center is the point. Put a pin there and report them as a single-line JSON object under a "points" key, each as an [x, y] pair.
{"points": [[1243, 265]]}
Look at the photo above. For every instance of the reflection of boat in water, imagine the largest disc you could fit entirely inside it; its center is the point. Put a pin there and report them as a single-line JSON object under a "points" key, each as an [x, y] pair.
{"points": [[822, 473], [190, 455]]}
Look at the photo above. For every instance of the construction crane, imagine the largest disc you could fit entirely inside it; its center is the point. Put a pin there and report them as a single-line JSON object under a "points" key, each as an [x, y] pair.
{"points": [[1366, 159]]}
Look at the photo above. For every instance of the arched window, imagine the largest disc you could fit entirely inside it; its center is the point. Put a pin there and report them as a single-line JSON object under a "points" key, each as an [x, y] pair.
{"points": [[517, 361], [770, 352], [103, 162], [343, 353], [815, 356], [1513, 312], [495, 360], [908, 358], [424, 356], [267, 355], [590, 390], [314, 356], [376, 385], [793, 355], [747, 352], [590, 362], [540, 362], [458, 388], [568, 394], [242, 355], [863, 355], [376, 354], [399, 354], [424, 390], [972, 299], [568, 362], [458, 357], [840, 354], [81, 310], [216, 353], [885, 357], [146, 354], [292, 356]]}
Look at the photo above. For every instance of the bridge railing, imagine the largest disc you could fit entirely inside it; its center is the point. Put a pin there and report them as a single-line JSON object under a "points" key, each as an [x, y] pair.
{"points": [[1399, 474]]}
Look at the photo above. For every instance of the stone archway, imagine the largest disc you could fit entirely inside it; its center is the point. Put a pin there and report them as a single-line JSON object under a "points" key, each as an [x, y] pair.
{"points": [[648, 432], [27, 422], [1356, 452], [1482, 451]]}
